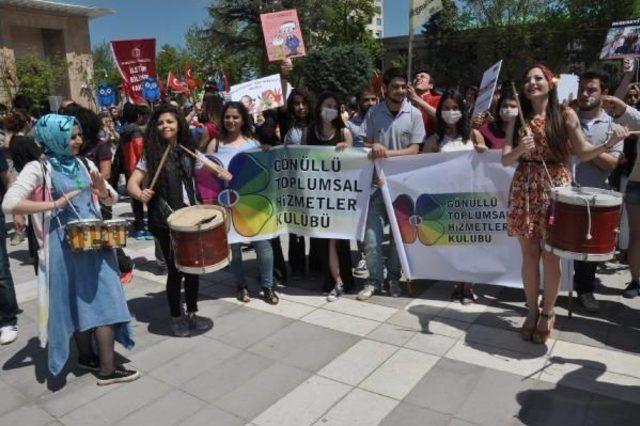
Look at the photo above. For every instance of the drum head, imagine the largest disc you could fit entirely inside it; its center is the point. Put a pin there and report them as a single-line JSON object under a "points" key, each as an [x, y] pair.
{"points": [[115, 222], [584, 196], [84, 222], [194, 218]]}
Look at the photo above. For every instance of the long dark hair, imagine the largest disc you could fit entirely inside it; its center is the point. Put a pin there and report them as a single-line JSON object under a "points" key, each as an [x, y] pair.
{"points": [[307, 98], [462, 126], [337, 123], [246, 120], [506, 94], [154, 144], [554, 125], [212, 104]]}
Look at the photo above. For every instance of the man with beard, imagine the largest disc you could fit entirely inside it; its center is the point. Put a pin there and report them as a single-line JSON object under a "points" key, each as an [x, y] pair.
{"points": [[394, 128], [596, 125], [357, 123]]}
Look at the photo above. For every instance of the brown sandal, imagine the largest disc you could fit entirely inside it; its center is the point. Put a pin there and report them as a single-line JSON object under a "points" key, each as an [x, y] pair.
{"points": [[529, 328], [243, 295], [541, 336]]}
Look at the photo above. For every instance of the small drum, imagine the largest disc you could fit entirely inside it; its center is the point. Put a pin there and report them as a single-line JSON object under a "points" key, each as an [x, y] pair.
{"points": [[582, 223], [199, 239], [84, 234], [114, 233]]}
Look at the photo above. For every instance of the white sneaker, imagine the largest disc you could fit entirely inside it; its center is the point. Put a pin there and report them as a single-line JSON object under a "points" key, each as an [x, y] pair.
{"points": [[8, 334], [335, 294], [360, 271], [366, 292]]}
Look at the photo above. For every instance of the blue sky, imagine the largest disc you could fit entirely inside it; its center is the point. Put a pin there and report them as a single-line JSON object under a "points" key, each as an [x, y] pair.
{"points": [[167, 20]]}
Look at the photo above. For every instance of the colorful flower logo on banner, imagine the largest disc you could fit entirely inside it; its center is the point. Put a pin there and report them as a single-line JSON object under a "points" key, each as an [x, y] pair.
{"points": [[420, 221], [251, 212]]}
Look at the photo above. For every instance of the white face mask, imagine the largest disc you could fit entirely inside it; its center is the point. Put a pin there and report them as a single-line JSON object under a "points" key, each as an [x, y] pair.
{"points": [[451, 117], [328, 114], [508, 114]]}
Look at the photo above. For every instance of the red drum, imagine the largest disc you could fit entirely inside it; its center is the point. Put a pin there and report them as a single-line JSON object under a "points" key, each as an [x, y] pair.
{"points": [[582, 223], [199, 239]]}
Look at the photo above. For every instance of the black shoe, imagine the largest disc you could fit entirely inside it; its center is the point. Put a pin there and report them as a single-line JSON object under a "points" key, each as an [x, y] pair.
{"points": [[632, 290], [89, 364], [270, 296], [119, 375]]}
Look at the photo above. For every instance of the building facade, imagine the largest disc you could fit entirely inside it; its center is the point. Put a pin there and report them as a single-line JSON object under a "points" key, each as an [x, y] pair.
{"points": [[376, 27], [48, 30]]}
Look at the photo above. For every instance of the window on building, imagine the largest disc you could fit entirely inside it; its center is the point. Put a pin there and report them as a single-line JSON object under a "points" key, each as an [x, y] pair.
{"points": [[379, 22]]}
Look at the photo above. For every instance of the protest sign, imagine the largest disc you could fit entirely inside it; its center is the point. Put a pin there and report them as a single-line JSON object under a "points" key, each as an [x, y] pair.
{"points": [[136, 61], [421, 10], [622, 41], [487, 88], [312, 191], [567, 88], [282, 35], [259, 95], [448, 214]]}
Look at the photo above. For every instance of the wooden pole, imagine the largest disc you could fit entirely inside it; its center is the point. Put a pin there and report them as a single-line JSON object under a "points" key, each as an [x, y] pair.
{"points": [[160, 166]]}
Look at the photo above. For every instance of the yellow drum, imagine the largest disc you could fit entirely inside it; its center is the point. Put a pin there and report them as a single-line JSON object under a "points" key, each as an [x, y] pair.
{"points": [[84, 234], [114, 233]]}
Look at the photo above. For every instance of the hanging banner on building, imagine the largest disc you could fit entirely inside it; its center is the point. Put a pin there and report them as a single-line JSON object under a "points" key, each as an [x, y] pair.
{"points": [[622, 41], [282, 35], [449, 211], [312, 191], [487, 88], [259, 95], [136, 61]]}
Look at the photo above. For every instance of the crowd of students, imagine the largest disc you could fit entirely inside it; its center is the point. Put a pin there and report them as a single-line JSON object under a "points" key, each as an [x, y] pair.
{"points": [[70, 163]]}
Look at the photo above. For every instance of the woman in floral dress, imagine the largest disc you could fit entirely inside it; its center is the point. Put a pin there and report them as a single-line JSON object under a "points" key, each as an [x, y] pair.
{"points": [[542, 149]]}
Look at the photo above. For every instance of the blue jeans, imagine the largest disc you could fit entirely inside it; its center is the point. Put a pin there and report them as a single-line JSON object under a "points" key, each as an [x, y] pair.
{"points": [[373, 238], [8, 302], [264, 251]]}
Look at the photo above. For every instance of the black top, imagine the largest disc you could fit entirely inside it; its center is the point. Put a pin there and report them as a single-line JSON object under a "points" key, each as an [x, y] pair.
{"points": [[4, 167], [23, 149], [313, 139]]}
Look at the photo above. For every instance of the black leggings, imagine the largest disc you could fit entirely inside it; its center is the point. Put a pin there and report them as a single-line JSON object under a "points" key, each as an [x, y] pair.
{"points": [[174, 278]]}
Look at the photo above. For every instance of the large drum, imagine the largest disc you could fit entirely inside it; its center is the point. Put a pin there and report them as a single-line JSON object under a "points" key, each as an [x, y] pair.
{"points": [[582, 223], [199, 239]]}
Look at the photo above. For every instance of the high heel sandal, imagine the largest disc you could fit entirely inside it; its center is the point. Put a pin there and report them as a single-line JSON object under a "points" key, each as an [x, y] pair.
{"points": [[541, 336], [528, 329]]}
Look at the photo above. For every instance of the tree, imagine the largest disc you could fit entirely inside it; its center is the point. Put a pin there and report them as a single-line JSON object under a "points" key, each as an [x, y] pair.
{"points": [[234, 40], [343, 70], [40, 78], [104, 68], [172, 59]]}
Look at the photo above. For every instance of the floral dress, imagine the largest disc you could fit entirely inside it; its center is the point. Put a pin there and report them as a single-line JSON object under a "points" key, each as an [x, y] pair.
{"points": [[529, 193]]}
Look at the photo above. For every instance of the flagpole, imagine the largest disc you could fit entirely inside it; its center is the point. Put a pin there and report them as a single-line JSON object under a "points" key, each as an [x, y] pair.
{"points": [[410, 58]]}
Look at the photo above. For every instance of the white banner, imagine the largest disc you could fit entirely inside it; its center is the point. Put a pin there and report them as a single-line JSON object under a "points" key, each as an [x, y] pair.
{"points": [[306, 190], [448, 214]]}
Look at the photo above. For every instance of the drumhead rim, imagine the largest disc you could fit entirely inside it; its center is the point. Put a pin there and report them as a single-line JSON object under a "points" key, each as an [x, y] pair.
{"points": [[588, 257], [603, 197], [216, 222], [199, 270]]}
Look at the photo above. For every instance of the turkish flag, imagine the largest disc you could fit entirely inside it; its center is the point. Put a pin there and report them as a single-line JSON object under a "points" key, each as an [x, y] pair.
{"points": [[191, 79], [175, 84]]}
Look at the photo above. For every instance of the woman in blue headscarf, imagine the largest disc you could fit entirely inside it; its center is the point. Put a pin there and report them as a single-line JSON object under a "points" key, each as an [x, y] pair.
{"points": [[79, 293]]}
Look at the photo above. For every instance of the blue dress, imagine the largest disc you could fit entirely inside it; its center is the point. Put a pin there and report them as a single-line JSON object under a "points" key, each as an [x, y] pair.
{"points": [[84, 287]]}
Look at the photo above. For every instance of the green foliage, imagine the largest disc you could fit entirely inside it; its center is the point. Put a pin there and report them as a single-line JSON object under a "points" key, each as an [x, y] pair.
{"points": [[233, 42], [172, 59], [564, 34], [341, 69], [39, 78], [104, 68]]}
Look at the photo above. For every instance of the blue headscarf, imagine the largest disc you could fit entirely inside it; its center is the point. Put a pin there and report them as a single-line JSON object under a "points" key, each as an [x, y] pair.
{"points": [[54, 131]]}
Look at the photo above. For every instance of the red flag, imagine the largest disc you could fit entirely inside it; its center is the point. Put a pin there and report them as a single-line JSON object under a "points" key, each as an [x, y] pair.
{"points": [[175, 84], [190, 78], [136, 60]]}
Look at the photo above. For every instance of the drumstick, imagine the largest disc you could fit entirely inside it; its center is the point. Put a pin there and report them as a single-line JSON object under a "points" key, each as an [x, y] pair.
{"points": [[634, 132], [160, 166], [210, 164]]}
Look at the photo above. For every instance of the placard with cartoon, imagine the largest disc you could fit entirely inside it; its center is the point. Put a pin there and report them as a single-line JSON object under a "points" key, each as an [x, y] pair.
{"points": [[282, 35]]}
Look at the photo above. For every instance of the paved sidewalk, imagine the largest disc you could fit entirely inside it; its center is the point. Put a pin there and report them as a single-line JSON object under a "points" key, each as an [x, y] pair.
{"points": [[404, 361]]}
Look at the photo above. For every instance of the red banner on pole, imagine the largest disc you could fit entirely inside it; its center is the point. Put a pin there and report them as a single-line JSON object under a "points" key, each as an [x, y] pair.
{"points": [[136, 60]]}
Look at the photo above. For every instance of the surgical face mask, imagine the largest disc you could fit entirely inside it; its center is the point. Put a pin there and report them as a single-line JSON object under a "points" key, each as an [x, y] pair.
{"points": [[328, 114], [508, 114], [451, 117], [590, 103]]}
